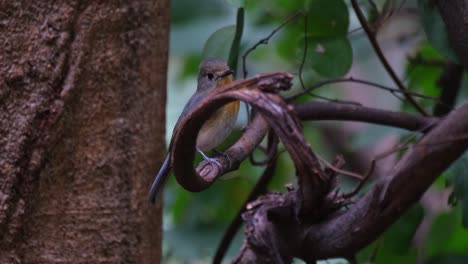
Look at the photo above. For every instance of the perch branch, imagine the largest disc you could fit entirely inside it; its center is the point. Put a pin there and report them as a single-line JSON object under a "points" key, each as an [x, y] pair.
{"points": [[337, 111], [256, 131]]}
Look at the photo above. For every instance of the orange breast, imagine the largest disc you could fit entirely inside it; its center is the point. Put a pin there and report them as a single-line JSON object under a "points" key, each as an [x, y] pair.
{"points": [[215, 130], [232, 108]]}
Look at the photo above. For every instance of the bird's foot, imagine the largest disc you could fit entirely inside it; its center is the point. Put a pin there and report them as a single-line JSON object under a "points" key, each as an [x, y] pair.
{"points": [[211, 160], [221, 153]]}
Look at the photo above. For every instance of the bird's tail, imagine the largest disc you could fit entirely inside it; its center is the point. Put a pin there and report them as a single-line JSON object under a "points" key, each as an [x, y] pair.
{"points": [[160, 179]]}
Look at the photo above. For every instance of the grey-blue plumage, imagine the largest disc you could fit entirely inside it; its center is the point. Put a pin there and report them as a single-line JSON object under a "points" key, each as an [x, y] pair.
{"points": [[213, 73]]}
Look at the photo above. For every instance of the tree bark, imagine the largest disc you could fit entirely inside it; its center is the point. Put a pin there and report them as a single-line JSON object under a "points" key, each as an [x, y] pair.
{"points": [[82, 98]]}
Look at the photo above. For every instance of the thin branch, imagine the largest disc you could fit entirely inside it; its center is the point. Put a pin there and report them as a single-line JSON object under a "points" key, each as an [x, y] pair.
{"points": [[352, 31], [371, 35], [361, 81], [265, 40], [341, 171], [362, 181], [334, 100], [301, 67]]}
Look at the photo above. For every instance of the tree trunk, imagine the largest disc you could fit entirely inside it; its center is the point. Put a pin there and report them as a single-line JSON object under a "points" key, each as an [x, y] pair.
{"points": [[82, 98]]}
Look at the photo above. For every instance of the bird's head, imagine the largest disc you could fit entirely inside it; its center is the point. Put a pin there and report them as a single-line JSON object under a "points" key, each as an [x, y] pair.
{"points": [[213, 73]]}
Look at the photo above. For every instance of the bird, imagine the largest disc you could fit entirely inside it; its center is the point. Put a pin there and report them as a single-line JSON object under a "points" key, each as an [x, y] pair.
{"points": [[213, 73]]}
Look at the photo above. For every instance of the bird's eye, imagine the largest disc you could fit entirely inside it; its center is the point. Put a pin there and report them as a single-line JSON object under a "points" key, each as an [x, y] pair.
{"points": [[210, 76]]}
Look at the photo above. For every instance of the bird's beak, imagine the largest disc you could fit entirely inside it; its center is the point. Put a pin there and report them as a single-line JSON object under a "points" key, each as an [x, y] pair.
{"points": [[226, 73], [224, 78]]}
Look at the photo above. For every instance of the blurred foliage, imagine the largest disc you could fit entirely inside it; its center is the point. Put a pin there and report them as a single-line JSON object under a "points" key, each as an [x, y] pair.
{"points": [[447, 237], [327, 40], [457, 178], [394, 246]]}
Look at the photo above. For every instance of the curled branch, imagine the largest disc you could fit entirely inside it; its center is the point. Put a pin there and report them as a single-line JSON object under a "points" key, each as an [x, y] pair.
{"points": [[255, 91], [259, 93]]}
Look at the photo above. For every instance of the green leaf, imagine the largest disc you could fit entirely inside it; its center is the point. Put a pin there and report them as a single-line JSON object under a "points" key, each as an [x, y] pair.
{"points": [[290, 35], [288, 5], [423, 77], [235, 46], [435, 29], [399, 236], [237, 3], [447, 235], [329, 57], [327, 18], [219, 43]]}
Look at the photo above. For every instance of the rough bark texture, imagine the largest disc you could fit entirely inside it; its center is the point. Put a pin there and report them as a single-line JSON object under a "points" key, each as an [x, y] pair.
{"points": [[82, 92]]}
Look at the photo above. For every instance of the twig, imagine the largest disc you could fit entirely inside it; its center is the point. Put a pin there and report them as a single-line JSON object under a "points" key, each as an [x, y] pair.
{"points": [[399, 147], [265, 40], [352, 31], [370, 34], [361, 182], [334, 100], [354, 80], [340, 171], [301, 67]]}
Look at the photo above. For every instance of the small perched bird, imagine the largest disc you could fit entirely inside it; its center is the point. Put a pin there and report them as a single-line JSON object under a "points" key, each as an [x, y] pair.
{"points": [[213, 73]]}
